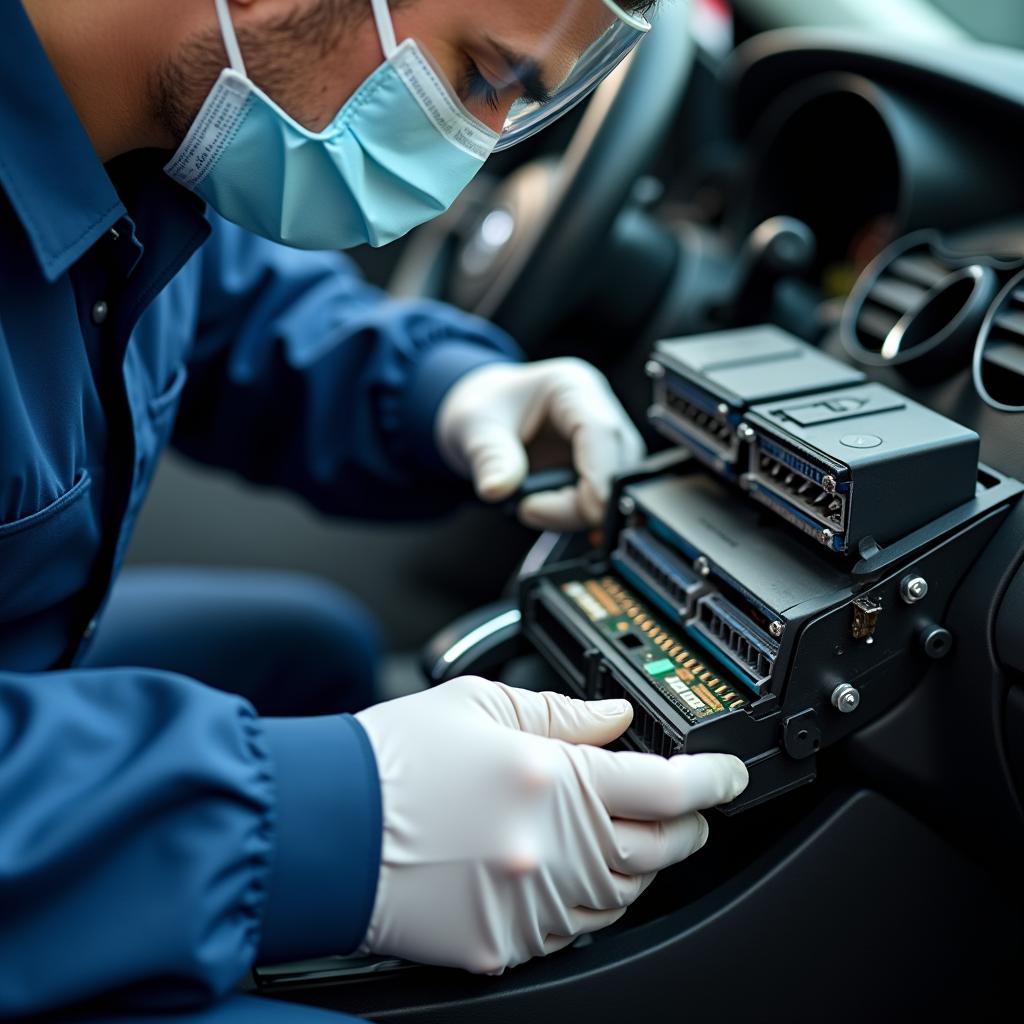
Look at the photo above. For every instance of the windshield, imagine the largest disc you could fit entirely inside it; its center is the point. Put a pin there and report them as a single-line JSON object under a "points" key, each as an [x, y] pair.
{"points": [[993, 21], [998, 21]]}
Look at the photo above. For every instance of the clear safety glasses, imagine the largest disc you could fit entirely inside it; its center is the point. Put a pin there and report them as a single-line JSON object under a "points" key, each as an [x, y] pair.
{"points": [[622, 31]]}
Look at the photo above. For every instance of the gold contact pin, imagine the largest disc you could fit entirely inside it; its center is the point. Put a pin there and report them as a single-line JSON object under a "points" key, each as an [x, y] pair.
{"points": [[707, 696], [720, 689], [728, 696], [691, 663], [601, 596], [736, 704]]}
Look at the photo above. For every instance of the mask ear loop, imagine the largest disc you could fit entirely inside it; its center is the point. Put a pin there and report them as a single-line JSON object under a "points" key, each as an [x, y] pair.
{"points": [[227, 31], [385, 27]]}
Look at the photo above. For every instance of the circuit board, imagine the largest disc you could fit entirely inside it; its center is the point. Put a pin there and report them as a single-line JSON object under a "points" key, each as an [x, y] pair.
{"points": [[695, 688]]}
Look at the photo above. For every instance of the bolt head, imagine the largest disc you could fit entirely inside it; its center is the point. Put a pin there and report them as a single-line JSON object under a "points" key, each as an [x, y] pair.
{"points": [[845, 698], [654, 369], [746, 432], [723, 409], [826, 536], [627, 506], [830, 483], [703, 566], [777, 628], [913, 588]]}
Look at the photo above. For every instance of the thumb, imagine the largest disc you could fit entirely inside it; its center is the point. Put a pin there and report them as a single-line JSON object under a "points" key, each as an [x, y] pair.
{"points": [[496, 459], [559, 717]]}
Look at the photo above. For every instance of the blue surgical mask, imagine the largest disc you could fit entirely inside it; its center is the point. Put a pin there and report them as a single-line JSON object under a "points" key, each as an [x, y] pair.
{"points": [[397, 154]]}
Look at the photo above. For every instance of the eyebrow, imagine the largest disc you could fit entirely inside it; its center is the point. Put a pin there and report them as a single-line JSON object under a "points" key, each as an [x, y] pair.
{"points": [[526, 70]]}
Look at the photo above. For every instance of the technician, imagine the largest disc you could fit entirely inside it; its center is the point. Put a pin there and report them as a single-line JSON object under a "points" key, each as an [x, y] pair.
{"points": [[181, 792]]}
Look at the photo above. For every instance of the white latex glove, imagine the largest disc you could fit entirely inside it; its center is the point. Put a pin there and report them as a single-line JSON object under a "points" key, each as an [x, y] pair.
{"points": [[505, 836], [490, 416]]}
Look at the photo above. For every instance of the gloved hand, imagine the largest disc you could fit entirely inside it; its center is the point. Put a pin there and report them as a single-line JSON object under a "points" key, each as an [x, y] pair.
{"points": [[506, 835], [562, 409]]}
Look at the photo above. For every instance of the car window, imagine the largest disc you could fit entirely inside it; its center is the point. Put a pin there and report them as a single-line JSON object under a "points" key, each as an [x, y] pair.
{"points": [[998, 21]]}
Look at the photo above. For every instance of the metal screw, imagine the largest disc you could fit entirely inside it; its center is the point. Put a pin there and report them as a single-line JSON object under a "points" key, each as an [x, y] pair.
{"points": [[829, 482], [654, 369], [845, 698], [826, 536], [627, 506], [777, 628], [702, 565], [746, 432], [913, 588], [723, 409]]}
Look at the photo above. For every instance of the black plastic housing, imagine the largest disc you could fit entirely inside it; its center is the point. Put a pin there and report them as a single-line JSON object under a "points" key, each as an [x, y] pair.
{"points": [[782, 582], [704, 384], [871, 464]]}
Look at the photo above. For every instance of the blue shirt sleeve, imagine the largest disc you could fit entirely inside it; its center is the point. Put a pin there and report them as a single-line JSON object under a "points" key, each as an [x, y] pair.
{"points": [[305, 376], [156, 837]]}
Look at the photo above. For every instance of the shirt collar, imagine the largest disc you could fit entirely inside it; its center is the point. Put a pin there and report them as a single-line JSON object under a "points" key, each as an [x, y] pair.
{"points": [[49, 170]]}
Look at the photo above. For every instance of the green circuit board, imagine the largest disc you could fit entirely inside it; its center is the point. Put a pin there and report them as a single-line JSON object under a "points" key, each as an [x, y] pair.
{"points": [[696, 687]]}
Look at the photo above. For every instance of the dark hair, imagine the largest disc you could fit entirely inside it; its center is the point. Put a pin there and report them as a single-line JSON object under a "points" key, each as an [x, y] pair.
{"points": [[638, 6]]}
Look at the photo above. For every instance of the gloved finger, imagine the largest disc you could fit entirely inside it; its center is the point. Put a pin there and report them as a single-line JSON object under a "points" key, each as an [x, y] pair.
{"points": [[496, 459], [645, 846], [618, 890], [553, 943], [554, 510], [565, 718], [604, 439], [646, 787], [583, 921], [600, 453]]}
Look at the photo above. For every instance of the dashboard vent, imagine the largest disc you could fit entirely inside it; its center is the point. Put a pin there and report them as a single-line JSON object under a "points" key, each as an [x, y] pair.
{"points": [[999, 353], [918, 307]]}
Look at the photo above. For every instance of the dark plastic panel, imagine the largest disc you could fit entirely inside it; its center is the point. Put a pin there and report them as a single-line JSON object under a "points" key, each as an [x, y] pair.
{"points": [[856, 913]]}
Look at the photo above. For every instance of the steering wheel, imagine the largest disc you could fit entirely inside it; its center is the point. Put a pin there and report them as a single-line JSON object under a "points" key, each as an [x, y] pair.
{"points": [[513, 253]]}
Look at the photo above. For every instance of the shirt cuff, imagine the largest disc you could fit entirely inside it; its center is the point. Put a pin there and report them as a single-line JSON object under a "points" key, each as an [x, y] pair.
{"points": [[326, 860], [436, 372]]}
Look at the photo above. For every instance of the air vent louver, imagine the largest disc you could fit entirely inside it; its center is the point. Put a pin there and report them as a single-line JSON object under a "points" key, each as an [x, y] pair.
{"points": [[918, 307], [999, 354]]}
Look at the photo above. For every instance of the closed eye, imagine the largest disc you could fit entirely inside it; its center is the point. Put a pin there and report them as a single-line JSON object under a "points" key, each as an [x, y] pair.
{"points": [[476, 87]]}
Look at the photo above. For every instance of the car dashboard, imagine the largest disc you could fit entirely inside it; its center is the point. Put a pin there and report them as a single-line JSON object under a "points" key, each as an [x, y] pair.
{"points": [[820, 570]]}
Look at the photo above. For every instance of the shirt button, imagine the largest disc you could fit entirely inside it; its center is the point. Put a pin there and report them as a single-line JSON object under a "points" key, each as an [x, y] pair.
{"points": [[99, 312], [89, 630]]}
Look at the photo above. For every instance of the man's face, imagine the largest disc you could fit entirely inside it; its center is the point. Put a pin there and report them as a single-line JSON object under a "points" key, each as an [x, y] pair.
{"points": [[310, 56]]}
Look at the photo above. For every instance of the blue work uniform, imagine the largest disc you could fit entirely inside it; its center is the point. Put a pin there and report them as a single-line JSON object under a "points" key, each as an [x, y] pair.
{"points": [[156, 835]]}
